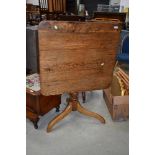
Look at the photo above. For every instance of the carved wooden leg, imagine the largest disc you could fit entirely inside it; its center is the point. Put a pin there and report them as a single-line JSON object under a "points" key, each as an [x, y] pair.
{"points": [[30, 114], [67, 110], [89, 113], [73, 106]]}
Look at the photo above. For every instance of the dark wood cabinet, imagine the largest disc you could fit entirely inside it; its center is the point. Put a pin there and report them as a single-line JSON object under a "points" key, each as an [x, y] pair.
{"points": [[38, 105], [121, 16], [32, 14]]}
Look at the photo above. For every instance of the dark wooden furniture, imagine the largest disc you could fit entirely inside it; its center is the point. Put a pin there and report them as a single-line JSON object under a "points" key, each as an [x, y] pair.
{"points": [[71, 18], [111, 15], [52, 8], [75, 57], [38, 105], [71, 7], [32, 14], [57, 5]]}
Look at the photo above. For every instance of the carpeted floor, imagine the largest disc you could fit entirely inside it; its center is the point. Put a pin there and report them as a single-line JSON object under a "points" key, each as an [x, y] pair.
{"points": [[78, 134]]}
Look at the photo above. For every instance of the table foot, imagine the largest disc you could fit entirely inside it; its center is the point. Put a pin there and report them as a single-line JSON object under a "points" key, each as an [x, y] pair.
{"points": [[67, 110], [86, 112]]}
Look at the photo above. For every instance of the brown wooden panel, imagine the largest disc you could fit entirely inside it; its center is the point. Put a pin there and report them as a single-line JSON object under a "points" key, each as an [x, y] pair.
{"points": [[77, 56], [49, 102], [39, 104], [77, 41], [79, 27]]}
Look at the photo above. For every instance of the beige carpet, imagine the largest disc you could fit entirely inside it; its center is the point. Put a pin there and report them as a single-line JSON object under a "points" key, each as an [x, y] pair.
{"points": [[78, 134]]}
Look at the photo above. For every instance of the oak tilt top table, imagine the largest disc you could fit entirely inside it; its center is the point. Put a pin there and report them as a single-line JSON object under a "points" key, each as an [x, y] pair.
{"points": [[76, 56]]}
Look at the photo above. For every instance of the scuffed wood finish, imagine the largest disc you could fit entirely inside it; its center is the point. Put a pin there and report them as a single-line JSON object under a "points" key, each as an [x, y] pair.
{"points": [[76, 56]]}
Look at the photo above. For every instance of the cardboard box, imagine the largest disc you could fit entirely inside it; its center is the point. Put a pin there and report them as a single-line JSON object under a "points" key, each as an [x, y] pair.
{"points": [[118, 106]]}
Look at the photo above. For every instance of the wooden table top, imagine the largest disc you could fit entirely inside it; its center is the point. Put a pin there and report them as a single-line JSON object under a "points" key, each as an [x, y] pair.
{"points": [[77, 56]]}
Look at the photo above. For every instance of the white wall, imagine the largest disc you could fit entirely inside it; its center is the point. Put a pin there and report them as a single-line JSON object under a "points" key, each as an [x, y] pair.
{"points": [[124, 3], [34, 2]]}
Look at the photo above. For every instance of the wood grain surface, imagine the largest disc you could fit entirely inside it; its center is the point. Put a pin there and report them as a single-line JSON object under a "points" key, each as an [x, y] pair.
{"points": [[77, 56]]}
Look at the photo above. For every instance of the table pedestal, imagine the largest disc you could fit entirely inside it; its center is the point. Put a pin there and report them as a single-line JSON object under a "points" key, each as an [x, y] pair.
{"points": [[73, 105]]}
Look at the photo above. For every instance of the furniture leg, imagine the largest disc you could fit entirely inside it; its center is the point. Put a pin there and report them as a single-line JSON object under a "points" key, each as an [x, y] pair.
{"points": [[32, 116], [67, 110], [84, 111], [58, 108], [84, 97], [35, 123], [73, 105]]}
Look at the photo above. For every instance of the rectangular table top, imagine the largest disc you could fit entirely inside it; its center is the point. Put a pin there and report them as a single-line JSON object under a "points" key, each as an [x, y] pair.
{"points": [[77, 56]]}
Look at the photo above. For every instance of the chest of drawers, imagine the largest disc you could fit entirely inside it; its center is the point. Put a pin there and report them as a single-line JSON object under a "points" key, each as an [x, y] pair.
{"points": [[38, 105]]}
